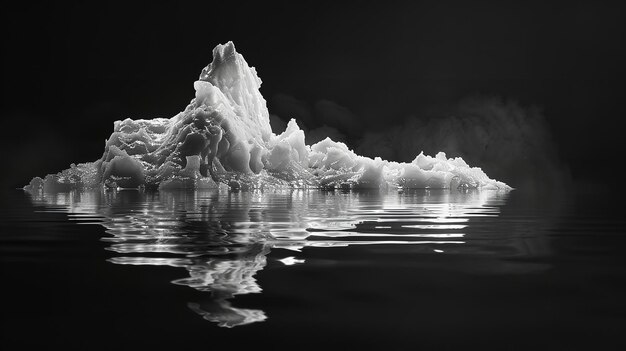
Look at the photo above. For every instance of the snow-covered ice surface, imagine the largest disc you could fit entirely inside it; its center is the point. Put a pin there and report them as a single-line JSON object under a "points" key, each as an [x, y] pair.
{"points": [[223, 139]]}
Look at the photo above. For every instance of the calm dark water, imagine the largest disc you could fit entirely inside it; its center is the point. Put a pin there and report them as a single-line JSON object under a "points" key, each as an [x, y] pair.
{"points": [[313, 270]]}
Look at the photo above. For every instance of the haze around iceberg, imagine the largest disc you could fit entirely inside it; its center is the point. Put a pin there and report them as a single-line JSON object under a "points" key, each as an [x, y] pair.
{"points": [[223, 139]]}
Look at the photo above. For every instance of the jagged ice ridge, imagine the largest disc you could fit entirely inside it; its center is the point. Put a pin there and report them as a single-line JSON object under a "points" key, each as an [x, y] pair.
{"points": [[223, 139]]}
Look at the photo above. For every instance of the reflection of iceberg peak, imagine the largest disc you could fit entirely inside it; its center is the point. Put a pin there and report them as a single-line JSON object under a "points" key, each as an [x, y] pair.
{"points": [[229, 277], [221, 312], [223, 139]]}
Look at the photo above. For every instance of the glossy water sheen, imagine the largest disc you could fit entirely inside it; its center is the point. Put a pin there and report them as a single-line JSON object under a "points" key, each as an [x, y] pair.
{"points": [[311, 269]]}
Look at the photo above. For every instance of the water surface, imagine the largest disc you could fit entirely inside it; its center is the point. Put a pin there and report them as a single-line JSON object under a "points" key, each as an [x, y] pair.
{"points": [[403, 270]]}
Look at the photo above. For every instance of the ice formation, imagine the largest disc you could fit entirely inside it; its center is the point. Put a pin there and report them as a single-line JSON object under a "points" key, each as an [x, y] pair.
{"points": [[223, 139]]}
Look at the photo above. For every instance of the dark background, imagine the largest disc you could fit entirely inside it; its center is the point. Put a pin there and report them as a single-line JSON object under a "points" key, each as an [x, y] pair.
{"points": [[69, 71]]}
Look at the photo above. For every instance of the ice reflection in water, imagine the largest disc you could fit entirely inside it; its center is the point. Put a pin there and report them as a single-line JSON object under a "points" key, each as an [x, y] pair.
{"points": [[223, 239]]}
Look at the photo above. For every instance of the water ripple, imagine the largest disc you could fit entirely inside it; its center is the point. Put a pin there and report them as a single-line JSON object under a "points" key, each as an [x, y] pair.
{"points": [[223, 239]]}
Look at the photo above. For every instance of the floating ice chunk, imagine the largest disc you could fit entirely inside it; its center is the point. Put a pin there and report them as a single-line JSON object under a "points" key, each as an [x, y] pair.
{"points": [[290, 261], [223, 139]]}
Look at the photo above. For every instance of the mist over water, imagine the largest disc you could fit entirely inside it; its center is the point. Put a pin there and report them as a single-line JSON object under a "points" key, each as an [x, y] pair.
{"points": [[508, 140]]}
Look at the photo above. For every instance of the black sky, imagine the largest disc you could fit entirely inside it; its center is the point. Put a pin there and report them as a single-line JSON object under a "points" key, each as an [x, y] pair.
{"points": [[69, 71]]}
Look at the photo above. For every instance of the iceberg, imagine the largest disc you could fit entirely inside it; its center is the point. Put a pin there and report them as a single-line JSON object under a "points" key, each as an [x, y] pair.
{"points": [[223, 140]]}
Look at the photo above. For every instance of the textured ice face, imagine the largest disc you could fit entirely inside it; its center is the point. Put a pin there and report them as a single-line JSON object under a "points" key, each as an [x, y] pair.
{"points": [[223, 139]]}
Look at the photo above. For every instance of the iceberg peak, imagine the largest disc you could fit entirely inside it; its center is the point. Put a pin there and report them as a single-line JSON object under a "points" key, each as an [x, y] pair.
{"points": [[239, 83]]}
